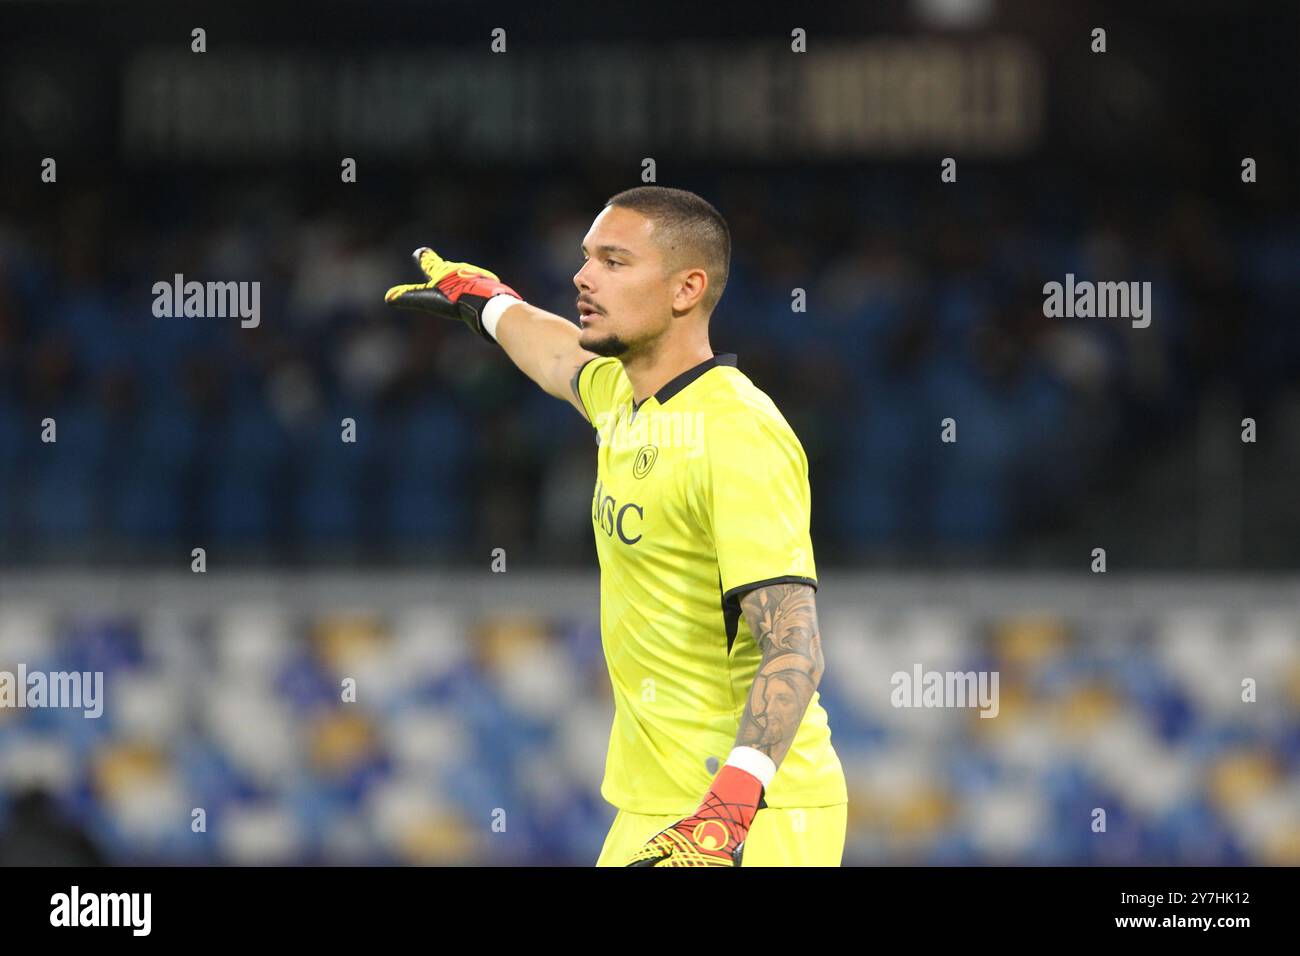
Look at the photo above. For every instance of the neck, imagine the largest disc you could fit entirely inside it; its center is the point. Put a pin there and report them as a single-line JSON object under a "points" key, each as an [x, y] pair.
{"points": [[654, 368]]}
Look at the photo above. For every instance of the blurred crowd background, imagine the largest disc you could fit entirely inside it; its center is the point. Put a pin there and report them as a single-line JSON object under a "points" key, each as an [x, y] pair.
{"points": [[176, 432], [924, 301]]}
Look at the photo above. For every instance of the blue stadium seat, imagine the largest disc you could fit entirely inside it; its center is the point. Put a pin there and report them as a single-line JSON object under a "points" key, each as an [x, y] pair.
{"points": [[65, 487], [241, 496], [427, 451], [331, 501]]}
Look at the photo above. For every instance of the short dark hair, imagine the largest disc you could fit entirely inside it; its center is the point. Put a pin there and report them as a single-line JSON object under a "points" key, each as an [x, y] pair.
{"points": [[688, 230]]}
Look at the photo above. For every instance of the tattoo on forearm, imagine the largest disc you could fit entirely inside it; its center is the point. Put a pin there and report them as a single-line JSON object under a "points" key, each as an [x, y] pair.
{"points": [[783, 619]]}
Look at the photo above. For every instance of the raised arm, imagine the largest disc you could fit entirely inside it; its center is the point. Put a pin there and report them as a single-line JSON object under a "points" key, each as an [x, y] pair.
{"points": [[544, 346]]}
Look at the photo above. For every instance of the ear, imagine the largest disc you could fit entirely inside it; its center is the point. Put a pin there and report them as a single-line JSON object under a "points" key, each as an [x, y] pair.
{"points": [[691, 285]]}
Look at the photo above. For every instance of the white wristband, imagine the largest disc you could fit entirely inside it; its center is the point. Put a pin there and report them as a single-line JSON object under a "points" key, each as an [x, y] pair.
{"points": [[753, 761], [494, 309]]}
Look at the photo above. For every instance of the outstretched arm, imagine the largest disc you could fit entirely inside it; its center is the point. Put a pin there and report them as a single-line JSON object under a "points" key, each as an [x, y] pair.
{"points": [[544, 346]]}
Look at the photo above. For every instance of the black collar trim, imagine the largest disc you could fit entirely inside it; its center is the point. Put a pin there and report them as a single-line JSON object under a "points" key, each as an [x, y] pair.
{"points": [[690, 375]]}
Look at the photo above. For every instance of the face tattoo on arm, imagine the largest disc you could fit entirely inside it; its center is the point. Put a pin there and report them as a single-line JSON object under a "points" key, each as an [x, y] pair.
{"points": [[783, 619]]}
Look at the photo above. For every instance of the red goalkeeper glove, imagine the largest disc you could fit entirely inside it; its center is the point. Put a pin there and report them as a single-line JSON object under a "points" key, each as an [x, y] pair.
{"points": [[455, 290], [715, 834]]}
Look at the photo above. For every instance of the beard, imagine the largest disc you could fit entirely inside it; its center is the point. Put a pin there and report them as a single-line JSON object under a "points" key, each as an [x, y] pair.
{"points": [[609, 346]]}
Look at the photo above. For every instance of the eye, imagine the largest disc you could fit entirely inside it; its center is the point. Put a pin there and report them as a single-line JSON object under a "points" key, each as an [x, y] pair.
{"points": [[613, 262]]}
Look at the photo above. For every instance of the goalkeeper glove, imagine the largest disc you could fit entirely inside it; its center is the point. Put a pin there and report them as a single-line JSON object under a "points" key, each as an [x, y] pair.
{"points": [[715, 834], [455, 290]]}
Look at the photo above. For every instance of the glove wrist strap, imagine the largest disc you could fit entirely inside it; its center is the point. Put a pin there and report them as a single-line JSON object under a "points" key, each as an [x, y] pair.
{"points": [[494, 309], [754, 762]]}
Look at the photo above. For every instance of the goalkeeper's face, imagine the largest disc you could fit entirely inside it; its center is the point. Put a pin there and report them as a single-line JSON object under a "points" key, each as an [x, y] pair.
{"points": [[625, 296]]}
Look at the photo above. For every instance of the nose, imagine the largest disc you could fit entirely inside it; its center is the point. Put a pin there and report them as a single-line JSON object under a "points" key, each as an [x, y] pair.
{"points": [[580, 278]]}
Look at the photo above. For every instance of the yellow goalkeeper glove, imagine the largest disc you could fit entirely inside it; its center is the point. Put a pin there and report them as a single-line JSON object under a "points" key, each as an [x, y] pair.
{"points": [[454, 290]]}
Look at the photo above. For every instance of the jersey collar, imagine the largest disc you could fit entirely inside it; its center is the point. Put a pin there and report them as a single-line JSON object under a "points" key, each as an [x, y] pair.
{"points": [[690, 375]]}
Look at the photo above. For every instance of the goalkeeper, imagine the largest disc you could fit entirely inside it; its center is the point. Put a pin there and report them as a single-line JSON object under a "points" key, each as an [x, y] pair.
{"points": [[720, 751]]}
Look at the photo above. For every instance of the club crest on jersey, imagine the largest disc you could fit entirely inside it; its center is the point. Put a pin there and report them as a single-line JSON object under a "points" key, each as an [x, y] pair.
{"points": [[645, 460]]}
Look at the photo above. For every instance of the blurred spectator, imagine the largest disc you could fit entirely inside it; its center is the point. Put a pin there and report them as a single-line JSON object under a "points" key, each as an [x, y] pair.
{"points": [[910, 320]]}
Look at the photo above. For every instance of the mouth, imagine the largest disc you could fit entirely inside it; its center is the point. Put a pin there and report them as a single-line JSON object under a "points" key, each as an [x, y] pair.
{"points": [[586, 312]]}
